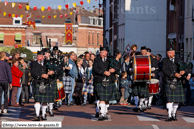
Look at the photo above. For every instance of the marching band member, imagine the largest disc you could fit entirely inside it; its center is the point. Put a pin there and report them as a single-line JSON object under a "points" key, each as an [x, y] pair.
{"points": [[104, 79], [155, 70], [173, 84]]}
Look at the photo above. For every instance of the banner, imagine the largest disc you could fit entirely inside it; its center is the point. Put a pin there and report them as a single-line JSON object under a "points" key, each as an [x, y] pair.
{"points": [[68, 32]]}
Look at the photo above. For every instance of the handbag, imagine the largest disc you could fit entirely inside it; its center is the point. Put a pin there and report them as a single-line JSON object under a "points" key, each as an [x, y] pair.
{"points": [[105, 82], [42, 88], [173, 85]]}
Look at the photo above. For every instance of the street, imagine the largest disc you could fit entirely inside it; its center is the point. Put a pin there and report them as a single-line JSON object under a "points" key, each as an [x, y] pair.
{"points": [[121, 117]]}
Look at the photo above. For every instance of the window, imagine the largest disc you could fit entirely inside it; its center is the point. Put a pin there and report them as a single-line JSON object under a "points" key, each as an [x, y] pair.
{"points": [[93, 38], [18, 38], [91, 21], [38, 21], [88, 38], [94, 21], [99, 22], [36, 38], [1, 38], [17, 21], [98, 39]]}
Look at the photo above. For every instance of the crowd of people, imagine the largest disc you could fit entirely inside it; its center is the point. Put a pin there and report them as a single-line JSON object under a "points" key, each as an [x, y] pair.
{"points": [[95, 79]]}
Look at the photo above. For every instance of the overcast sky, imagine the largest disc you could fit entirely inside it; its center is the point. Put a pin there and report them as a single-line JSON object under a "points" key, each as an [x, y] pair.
{"points": [[55, 3]]}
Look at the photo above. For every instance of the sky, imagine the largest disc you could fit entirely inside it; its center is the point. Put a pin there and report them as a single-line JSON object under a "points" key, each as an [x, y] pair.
{"points": [[55, 3]]}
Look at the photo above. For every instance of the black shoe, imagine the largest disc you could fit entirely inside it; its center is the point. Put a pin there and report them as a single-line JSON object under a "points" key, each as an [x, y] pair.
{"points": [[51, 113], [97, 114], [83, 104], [44, 118], [174, 118], [169, 119], [141, 110], [135, 109], [149, 107], [55, 108], [37, 118], [106, 118], [101, 118]]}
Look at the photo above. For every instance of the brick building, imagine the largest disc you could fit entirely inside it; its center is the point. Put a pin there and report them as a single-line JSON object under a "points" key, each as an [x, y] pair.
{"points": [[175, 24], [87, 28]]}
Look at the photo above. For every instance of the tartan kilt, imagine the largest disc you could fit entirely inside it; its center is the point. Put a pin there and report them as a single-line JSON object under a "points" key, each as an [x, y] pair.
{"points": [[67, 84], [88, 87], [140, 89], [176, 96], [43, 98], [107, 93], [54, 90]]}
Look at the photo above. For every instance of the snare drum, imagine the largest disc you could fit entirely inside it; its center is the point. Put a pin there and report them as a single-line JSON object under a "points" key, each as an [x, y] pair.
{"points": [[141, 68], [153, 86], [61, 91]]}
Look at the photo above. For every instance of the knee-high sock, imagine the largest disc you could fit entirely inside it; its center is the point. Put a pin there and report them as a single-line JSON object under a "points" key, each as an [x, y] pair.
{"points": [[146, 102], [169, 106], [37, 109], [102, 109], [51, 106], [141, 102], [150, 100], [106, 108], [97, 105], [136, 98], [85, 99], [44, 110], [174, 109]]}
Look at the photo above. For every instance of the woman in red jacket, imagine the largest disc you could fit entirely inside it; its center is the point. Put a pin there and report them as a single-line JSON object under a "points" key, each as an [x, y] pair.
{"points": [[16, 76]]}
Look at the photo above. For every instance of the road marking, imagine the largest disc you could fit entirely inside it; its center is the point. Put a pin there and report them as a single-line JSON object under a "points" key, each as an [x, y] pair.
{"points": [[55, 118], [96, 119], [188, 119], [147, 118], [155, 126], [13, 113]]}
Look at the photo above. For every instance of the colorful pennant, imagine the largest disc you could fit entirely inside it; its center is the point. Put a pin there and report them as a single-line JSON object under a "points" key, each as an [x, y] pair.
{"points": [[35, 8], [55, 16], [27, 7], [66, 6], [20, 6], [61, 16], [88, 1], [81, 2], [49, 8], [13, 5], [74, 5], [4, 14], [59, 7], [6, 2], [71, 13], [42, 8], [65, 15]]}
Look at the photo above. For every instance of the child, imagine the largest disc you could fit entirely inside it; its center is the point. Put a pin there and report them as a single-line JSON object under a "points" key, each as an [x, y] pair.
{"points": [[125, 88], [126, 66], [133, 50], [88, 82], [191, 82]]}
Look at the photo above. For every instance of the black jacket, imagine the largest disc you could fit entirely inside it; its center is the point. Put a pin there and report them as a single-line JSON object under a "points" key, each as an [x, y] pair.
{"points": [[154, 64], [99, 67]]}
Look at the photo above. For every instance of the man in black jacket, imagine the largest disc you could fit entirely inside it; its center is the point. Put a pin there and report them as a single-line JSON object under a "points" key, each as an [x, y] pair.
{"points": [[104, 79], [173, 85]]}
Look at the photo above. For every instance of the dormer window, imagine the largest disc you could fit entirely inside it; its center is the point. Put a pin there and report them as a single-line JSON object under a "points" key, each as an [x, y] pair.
{"points": [[38, 21], [17, 21]]}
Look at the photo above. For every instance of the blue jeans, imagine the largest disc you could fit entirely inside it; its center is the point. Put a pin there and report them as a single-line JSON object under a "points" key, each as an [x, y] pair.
{"points": [[72, 86], [19, 93]]}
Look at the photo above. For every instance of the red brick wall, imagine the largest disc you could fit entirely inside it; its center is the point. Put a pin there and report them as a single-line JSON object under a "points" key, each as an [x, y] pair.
{"points": [[9, 35]]}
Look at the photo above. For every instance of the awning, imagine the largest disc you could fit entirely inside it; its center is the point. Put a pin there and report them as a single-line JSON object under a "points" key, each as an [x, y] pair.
{"points": [[1, 36], [18, 36]]}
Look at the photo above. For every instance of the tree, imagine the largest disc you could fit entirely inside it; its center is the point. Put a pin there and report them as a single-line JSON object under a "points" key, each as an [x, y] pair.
{"points": [[23, 50]]}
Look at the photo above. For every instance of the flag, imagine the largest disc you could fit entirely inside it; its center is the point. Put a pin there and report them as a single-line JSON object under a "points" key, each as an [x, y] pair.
{"points": [[59, 7], [27, 7], [74, 5], [55, 16], [65, 15], [81, 2], [6, 2], [61, 16], [4, 14], [13, 5], [66, 6], [20, 6], [21, 16], [35, 8], [42, 8], [13, 15], [88, 1], [71, 13], [43, 16], [16, 15], [49, 16], [68, 32], [49, 8], [9, 14]]}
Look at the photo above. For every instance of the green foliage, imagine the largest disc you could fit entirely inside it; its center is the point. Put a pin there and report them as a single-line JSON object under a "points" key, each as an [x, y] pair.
{"points": [[6, 49], [24, 51]]}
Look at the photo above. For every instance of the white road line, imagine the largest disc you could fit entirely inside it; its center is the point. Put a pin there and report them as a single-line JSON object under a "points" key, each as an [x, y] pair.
{"points": [[155, 126]]}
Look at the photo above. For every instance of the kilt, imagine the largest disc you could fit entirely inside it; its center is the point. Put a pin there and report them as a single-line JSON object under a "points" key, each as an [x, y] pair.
{"points": [[140, 89], [54, 90], [67, 84], [107, 93], [176, 96], [43, 98], [78, 88], [88, 87]]}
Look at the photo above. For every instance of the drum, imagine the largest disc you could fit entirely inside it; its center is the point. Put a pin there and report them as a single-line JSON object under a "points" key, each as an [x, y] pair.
{"points": [[61, 91], [153, 86], [141, 68]]}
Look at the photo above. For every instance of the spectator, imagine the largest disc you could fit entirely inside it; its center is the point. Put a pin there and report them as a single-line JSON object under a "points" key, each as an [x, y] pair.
{"points": [[125, 89], [92, 57], [133, 49], [16, 76], [191, 82], [85, 60], [75, 58], [5, 80], [126, 66], [73, 73], [16, 55], [88, 82], [79, 82]]}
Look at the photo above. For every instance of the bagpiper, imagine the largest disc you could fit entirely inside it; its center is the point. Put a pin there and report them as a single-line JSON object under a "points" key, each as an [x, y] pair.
{"points": [[104, 79], [173, 85]]}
